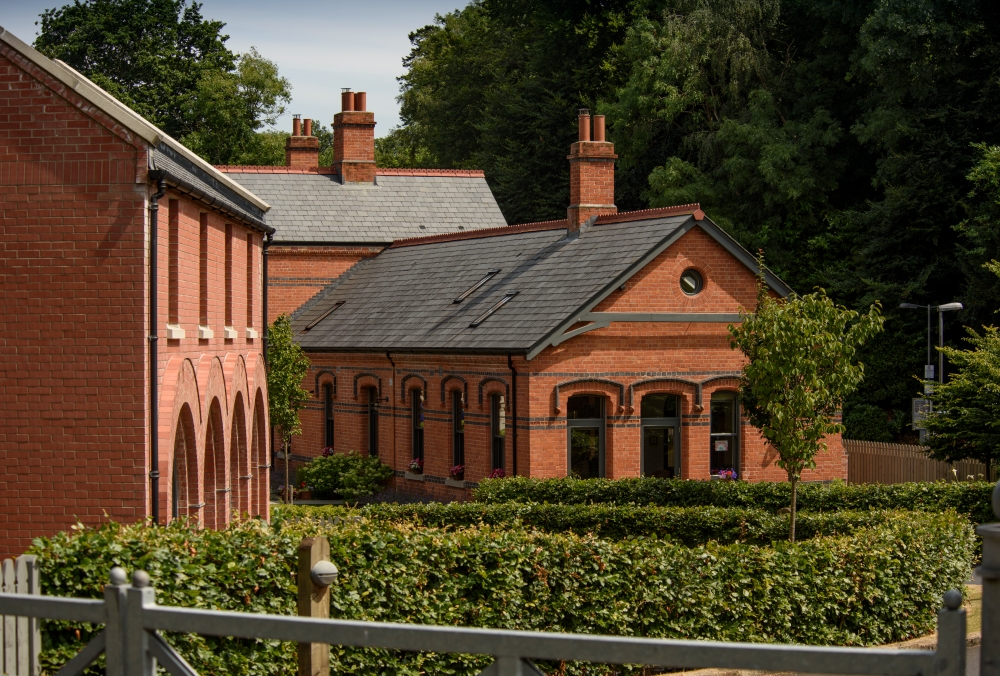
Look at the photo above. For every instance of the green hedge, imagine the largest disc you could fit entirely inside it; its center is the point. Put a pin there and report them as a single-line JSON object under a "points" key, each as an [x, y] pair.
{"points": [[689, 526], [884, 584], [968, 497]]}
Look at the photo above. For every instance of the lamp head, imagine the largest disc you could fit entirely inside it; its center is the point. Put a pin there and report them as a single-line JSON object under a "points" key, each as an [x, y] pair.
{"points": [[947, 307]]}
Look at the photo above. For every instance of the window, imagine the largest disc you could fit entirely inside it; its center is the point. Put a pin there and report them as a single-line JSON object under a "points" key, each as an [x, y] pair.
{"points": [[229, 274], [173, 264], [498, 432], [203, 271], [724, 451], [328, 414], [417, 414], [489, 275], [499, 304], [324, 314], [372, 422], [458, 429], [585, 426], [661, 427], [691, 282]]}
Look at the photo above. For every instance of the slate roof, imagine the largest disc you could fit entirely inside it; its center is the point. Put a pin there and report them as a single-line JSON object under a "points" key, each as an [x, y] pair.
{"points": [[315, 208], [402, 299]]}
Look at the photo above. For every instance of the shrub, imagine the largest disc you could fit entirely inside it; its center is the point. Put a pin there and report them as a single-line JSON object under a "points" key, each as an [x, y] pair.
{"points": [[971, 498], [345, 475], [883, 584], [689, 526]]}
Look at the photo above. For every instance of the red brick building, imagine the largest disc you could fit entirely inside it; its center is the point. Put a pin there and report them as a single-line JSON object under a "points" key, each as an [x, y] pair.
{"points": [[595, 345], [93, 390], [326, 219]]}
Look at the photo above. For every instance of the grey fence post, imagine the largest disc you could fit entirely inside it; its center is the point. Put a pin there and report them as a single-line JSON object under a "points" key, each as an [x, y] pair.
{"points": [[951, 643], [114, 639], [989, 656], [33, 586], [138, 660]]}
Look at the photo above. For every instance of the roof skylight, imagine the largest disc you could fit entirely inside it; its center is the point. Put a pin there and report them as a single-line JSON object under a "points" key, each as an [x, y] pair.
{"points": [[324, 315], [499, 304], [489, 275]]}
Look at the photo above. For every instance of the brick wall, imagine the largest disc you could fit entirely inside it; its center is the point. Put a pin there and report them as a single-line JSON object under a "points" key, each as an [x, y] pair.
{"points": [[73, 278], [628, 354], [354, 146], [297, 273], [591, 181]]}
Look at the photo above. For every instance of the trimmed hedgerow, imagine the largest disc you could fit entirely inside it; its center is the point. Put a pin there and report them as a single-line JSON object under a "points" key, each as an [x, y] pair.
{"points": [[968, 497], [685, 525], [883, 584]]}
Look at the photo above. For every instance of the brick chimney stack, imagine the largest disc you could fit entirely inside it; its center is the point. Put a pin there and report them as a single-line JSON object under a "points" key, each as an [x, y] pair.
{"points": [[354, 139], [591, 174], [302, 149]]}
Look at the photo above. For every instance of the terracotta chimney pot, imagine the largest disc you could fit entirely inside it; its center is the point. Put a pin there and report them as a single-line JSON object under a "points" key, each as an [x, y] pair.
{"points": [[296, 125], [584, 123], [346, 100], [308, 127], [598, 128], [360, 101]]}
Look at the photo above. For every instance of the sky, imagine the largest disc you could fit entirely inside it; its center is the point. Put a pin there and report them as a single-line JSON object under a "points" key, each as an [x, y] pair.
{"points": [[319, 45]]}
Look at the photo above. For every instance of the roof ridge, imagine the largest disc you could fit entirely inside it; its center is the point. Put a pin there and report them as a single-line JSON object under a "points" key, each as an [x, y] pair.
{"points": [[403, 171], [276, 169], [693, 209], [478, 234]]}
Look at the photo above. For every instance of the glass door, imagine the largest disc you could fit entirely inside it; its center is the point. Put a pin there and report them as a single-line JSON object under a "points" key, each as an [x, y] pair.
{"points": [[585, 423], [661, 428], [724, 451]]}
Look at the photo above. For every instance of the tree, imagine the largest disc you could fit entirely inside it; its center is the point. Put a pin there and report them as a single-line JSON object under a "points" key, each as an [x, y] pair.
{"points": [[149, 54], [801, 364], [287, 365], [228, 109], [965, 417]]}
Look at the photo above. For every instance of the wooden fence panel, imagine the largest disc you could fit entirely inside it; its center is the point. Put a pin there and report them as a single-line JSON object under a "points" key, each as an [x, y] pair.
{"points": [[20, 637], [872, 462]]}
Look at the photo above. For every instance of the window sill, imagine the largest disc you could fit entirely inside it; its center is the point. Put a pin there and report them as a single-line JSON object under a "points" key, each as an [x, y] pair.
{"points": [[204, 333], [410, 476], [229, 333], [174, 332], [251, 333], [454, 483]]}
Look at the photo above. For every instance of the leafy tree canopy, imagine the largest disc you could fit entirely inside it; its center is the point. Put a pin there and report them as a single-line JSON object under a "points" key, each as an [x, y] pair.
{"points": [[802, 364], [172, 66]]}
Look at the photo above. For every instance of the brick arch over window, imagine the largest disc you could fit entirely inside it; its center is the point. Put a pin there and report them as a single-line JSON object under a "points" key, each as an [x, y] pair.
{"points": [[182, 479], [601, 382], [180, 396], [486, 381], [445, 388], [368, 374], [686, 384], [215, 514], [402, 385], [332, 379], [240, 473]]}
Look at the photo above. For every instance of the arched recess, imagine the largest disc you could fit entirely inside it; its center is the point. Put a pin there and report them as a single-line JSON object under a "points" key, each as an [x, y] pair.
{"points": [[215, 485], [444, 389], [180, 399], [662, 381], [240, 473], [486, 381], [367, 374], [259, 465], [402, 385], [597, 381], [183, 476]]}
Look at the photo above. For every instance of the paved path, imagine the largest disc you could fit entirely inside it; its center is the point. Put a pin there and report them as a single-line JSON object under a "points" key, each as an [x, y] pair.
{"points": [[972, 661]]}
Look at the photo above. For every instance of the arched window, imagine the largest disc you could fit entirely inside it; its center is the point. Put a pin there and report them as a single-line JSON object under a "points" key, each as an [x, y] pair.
{"points": [[328, 415], [585, 423], [417, 415], [661, 427], [725, 433], [498, 432], [372, 422], [457, 428]]}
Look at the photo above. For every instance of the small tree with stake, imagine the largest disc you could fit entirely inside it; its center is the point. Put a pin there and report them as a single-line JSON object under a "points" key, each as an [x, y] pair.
{"points": [[801, 365], [287, 365]]}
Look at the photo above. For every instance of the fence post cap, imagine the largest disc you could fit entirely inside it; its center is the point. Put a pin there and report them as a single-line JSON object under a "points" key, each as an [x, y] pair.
{"points": [[953, 599], [140, 578], [118, 576]]}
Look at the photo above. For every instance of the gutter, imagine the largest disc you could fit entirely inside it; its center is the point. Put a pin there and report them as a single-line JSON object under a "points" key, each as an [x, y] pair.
{"points": [[159, 176]]}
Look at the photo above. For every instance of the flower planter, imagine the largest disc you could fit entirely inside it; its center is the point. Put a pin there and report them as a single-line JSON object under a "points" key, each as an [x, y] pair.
{"points": [[304, 495], [414, 476]]}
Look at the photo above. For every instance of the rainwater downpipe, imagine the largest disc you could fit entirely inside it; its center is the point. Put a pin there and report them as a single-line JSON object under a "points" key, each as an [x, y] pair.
{"points": [[160, 177], [266, 245], [513, 409], [392, 407]]}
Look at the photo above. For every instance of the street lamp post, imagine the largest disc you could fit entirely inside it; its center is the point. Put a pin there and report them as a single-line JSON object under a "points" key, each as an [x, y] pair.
{"points": [[947, 307]]}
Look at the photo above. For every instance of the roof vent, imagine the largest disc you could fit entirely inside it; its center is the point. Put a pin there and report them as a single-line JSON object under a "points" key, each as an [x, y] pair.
{"points": [[499, 304], [323, 316], [489, 275]]}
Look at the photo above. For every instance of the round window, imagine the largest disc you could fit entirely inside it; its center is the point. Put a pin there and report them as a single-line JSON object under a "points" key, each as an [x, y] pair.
{"points": [[691, 282]]}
